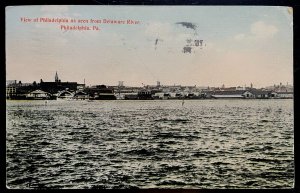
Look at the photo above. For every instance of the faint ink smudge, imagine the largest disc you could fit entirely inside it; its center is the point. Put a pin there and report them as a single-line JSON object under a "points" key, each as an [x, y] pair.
{"points": [[156, 42], [188, 25], [187, 49]]}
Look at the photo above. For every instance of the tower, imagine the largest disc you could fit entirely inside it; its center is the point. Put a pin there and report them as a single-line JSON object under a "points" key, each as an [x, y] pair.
{"points": [[157, 83], [56, 77], [121, 84]]}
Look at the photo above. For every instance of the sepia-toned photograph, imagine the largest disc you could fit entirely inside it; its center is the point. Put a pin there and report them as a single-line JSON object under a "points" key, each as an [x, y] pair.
{"points": [[143, 97]]}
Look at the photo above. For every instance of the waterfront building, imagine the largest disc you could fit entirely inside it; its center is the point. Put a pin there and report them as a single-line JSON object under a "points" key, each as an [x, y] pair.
{"points": [[80, 95], [131, 96], [194, 95], [57, 85], [80, 86], [100, 92], [179, 95], [161, 95], [285, 95], [232, 94], [38, 94], [261, 94], [18, 90], [11, 92], [122, 93], [145, 94]]}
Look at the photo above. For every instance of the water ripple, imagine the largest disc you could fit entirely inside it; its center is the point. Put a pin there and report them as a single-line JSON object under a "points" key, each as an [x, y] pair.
{"points": [[150, 144]]}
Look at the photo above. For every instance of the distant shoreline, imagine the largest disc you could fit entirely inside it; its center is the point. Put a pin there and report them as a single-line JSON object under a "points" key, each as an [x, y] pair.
{"points": [[210, 99]]}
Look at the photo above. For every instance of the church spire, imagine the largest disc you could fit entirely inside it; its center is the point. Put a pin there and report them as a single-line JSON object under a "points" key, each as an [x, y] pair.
{"points": [[56, 77]]}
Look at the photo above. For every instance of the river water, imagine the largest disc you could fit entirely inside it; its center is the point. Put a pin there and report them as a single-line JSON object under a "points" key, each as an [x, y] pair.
{"points": [[201, 144]]}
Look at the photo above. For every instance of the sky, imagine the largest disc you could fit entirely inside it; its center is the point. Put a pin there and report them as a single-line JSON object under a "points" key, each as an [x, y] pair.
{"points": [[240, 45]]}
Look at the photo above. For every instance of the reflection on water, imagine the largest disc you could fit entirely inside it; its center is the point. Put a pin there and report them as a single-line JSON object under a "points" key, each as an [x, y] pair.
{"points": [[150, 144]]}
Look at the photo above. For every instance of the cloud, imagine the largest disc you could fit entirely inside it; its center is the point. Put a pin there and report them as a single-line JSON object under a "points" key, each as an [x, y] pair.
{"points": [[258, 30], [261, 30], [188, 25]]}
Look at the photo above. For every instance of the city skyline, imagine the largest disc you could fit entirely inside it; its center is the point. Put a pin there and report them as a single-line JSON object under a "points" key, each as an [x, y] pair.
{"points": [[241, 45], [157, 83]]}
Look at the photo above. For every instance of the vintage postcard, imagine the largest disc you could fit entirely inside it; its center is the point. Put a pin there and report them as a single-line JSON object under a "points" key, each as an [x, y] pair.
{"points": [[167, 97]]}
